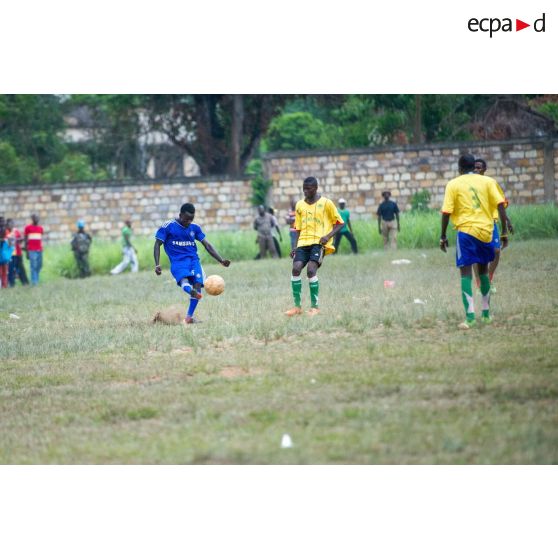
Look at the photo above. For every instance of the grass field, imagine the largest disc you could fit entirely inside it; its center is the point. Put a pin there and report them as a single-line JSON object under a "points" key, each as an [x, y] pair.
{"points": [[376, 378]]}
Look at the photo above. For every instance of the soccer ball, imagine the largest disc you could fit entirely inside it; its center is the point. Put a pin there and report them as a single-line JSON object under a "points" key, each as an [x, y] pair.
{"points": [[214, 285]]}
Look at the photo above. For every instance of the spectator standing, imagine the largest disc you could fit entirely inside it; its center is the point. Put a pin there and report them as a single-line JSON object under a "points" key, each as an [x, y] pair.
{"points": [[33, 235], [81, 243], [5, 254], [263, 225], [388, 221], [16, 267], [347, 229], [291, 217], [129, 255], [276, 229]]}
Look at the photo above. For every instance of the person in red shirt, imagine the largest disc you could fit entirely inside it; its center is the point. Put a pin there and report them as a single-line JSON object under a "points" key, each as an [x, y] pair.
{"points": [[16, 267], [33, 234], [5, 254]]}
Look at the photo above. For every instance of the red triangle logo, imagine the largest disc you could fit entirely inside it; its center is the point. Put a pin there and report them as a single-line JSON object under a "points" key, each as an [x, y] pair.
{"points": [[519, 25]]}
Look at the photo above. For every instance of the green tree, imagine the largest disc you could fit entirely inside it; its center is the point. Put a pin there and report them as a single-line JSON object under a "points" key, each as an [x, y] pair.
{"points": [[297, 130], [220, 132]]}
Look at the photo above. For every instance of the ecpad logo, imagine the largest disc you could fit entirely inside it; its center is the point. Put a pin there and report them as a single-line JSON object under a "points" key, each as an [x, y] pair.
{"points": [[492, 25]]}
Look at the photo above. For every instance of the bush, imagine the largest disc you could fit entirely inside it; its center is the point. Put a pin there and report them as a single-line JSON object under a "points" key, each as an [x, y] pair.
{"points": [[297, 130], [260, 185], [75, 167], [420, 201]]}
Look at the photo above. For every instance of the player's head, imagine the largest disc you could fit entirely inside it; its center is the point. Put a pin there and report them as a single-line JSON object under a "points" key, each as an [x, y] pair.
{"points": [[386, 194], [261, 210], [128, 222], [187, 213], [342, 203], [35, 219], [466, 163], [310, 187], [271, 211], [480, 166], [80, 224], [9, 223]]}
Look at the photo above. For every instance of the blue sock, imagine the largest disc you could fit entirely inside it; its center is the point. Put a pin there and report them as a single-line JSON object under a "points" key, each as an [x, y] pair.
{"points": [[192, 307]]}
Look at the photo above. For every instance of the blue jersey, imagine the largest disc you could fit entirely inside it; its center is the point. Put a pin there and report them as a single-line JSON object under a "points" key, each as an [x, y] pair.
{"points": [[179, 241]]}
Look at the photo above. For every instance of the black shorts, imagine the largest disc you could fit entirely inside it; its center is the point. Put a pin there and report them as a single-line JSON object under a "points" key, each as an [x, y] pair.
{"points": [[314, 253]]}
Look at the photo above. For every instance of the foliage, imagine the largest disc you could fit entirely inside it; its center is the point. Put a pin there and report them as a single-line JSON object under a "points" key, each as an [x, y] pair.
{"points": [[74, 167], [220, 132], [420, 201], [15, 169], [260, 185], [549, 109], [297, 131]]}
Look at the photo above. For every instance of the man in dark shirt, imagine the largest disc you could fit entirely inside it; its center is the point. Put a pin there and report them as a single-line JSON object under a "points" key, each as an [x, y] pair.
{"points": [[388, 221]]}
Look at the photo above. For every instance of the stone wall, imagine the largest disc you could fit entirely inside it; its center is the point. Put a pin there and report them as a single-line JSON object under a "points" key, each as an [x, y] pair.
{"points": [[221, 203], [526, 169]]}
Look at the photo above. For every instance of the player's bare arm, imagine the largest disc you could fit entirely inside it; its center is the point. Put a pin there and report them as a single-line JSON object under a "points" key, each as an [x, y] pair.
{"points": [[504, 220], [213, 253], [325, 239], [443, 239], [297, 235], [157, 255]]}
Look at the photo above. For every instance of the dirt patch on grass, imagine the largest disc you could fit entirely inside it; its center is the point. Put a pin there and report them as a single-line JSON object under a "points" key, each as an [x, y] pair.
{"points": [[231, 372]]}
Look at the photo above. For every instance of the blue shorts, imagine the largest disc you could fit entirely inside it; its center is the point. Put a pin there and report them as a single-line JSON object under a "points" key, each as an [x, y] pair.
{"points": [[190, 268], [496, 237], [470, 250]]}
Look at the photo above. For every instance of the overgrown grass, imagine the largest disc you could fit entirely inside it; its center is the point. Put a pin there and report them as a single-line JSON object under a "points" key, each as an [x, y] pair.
{"points": [[376, 378], [418, 230]]}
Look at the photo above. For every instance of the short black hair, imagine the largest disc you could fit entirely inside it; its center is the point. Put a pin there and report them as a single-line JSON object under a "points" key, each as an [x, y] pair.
{"points": [[467, 162], [188, 208], [310, 181], [479, 160]]}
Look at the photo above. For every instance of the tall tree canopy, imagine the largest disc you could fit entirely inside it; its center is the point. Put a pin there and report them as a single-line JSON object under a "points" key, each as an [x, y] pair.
{"points": [[220, 132]]}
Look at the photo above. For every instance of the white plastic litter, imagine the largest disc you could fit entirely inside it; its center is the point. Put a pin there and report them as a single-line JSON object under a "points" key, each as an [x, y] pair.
{"points": [[14, 317], [286, 441], [399, 262], [419, 301]]}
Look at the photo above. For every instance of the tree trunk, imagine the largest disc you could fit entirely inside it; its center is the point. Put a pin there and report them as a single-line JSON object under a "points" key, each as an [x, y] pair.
{"points": [[237, 125], [418, 136]]}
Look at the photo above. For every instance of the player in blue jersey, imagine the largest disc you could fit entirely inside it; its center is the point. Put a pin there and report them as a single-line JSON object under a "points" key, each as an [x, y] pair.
{"points": [[179, 236]]}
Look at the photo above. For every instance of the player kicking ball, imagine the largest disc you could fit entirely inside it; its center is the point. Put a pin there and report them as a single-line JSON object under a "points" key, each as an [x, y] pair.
{"points": [[316, 223], [178, 236]]}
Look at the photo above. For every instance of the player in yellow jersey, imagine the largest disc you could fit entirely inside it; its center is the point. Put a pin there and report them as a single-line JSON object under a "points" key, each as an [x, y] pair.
{"points": [[470, 201], [480, 168], [316, 223]]}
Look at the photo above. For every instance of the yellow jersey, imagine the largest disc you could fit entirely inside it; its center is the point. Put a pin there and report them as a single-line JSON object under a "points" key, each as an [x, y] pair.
{"points": [[471, 200], [315, 221], [496, 215]]}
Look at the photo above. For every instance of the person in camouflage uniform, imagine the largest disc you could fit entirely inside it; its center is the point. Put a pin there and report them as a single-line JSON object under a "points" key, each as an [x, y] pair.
{"points": [[81, 242]]}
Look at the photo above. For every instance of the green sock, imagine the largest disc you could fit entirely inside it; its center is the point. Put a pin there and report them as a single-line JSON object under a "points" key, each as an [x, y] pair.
{"points": [[485, 291], [467, 297], [314, 291], [296, 285]]}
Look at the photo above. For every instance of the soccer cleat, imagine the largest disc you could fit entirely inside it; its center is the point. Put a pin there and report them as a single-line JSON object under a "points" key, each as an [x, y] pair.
{"points": [[195, 294], [296, 311], [486, 320], [190, 320], [467, 324], [313, 311]]}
